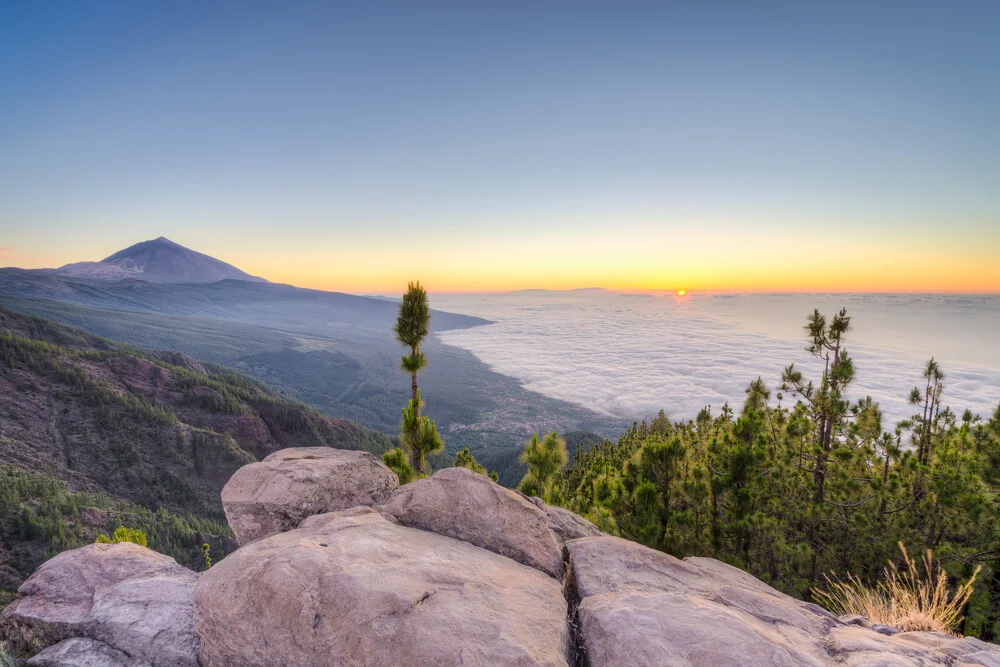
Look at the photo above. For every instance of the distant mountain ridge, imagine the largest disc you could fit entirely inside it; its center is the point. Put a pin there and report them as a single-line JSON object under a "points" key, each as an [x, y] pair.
{"points": [[160, 261]]}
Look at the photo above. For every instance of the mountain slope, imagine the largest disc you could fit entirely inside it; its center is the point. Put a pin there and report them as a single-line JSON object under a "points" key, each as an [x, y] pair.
{"points": [[86, 423], [334, 351], [159, 260], [258, 303]]}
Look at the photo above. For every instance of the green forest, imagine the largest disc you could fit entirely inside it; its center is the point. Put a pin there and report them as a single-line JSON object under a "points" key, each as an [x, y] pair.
{"points": [[800, 482]]}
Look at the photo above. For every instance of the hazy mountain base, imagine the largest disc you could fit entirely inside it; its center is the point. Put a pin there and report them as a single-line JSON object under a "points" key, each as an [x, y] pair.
{"points": [[94, 434], [349, 372]]}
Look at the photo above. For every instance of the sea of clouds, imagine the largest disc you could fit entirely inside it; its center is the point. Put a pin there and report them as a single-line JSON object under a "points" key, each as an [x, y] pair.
{"points": [[632, 355]]}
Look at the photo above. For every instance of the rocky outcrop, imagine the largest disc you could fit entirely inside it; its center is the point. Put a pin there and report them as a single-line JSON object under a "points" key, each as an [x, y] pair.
{"points": [[448, 570], [184, 361], [468, 506], [81, 652], [131, 599], [276, 494], [353, 588], [643, 607]]}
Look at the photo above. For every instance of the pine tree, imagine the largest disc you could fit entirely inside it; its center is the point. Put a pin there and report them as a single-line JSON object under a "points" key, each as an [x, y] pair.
{"points": [[465, 459], [411, 328], [544, 458], [417, 433]]}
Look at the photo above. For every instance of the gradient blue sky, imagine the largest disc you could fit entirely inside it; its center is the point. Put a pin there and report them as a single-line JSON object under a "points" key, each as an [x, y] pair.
{"points": [[506, 145]]}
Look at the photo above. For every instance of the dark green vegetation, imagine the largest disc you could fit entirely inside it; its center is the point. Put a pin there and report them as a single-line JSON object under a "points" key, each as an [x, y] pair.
{"points": [[96, 434], [418, 435], [791, 492], [544, 458], [334, 352]]}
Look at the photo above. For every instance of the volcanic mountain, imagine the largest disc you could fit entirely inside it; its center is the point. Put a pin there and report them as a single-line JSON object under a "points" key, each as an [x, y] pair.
{"points": [[159, 261]]}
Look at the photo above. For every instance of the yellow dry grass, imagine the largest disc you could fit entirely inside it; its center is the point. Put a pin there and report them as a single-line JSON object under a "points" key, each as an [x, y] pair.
{"points": [[912, 599]]}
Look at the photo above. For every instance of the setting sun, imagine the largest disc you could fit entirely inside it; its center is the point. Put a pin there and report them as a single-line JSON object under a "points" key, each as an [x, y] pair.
{"points": [[681, 292]]}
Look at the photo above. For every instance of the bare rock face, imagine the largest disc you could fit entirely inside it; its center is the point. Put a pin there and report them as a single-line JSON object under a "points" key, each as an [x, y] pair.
{"points": [[639, 606], [276, 494], [184, 361], [81, 652], [471, 507], [134, 601], [566, 525], [354, 588]]}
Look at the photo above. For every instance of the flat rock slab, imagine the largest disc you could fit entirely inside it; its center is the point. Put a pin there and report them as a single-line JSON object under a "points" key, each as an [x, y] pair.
{"points": [[639, 606], [81, 652], [276, 494], [459, 503], [354, 588], [129, 598]]}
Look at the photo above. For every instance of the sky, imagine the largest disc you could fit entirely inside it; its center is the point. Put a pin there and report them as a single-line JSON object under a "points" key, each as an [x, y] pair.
{"points": [[792, 146]]}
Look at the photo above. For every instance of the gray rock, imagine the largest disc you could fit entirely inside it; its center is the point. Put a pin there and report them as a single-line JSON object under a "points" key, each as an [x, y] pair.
{"points": [[671, 629], [459, 503], [639, 606], [884, 629], [276, 494], [855, 619], [132, 599], [353, 588], [565, 525], [81, 652]]}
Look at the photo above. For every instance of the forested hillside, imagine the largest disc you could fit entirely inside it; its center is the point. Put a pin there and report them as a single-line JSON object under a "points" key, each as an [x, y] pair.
{"points": [[799, 482], [334, 352], [95, 434]]}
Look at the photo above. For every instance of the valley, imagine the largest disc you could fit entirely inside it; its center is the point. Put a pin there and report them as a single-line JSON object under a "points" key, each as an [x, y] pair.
{"points": [[332, 351]]}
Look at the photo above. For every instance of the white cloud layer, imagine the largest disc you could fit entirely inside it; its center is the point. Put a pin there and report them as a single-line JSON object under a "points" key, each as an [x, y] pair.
{"points": [[631, 356]]}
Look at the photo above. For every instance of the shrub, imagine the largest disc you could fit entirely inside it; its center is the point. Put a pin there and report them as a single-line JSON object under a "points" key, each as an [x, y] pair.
{"points": [[399, 463], [124, 534], [914, 599]]}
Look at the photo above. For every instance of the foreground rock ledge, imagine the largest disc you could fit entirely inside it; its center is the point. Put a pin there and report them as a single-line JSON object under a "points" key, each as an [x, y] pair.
{"points": [[643, 607], [129, 599], [277, 493], [353, 588]]}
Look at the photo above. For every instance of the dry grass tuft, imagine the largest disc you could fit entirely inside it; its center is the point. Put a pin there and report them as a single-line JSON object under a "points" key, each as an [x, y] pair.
{"points": [[914, 599], [8, 658]]}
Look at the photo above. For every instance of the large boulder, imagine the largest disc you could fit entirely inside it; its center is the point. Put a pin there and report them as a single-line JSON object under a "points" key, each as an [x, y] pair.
{"points": [[132, 600], [276, 494], [354, 588], [471, 507], [640, 606]]}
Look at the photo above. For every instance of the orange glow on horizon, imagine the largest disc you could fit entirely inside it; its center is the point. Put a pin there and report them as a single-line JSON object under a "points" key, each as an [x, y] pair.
{"points": [[649, 260]]}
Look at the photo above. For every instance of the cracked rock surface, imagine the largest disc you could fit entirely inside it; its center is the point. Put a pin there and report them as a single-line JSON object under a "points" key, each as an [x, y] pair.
{"points": [[133, 600], [468, 506], [639, 606], [354, 588], [277, 493]]}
